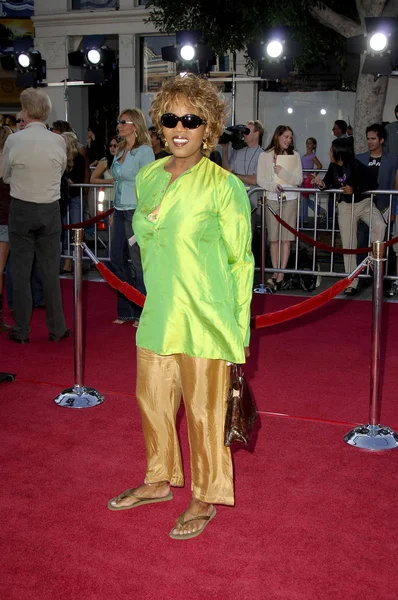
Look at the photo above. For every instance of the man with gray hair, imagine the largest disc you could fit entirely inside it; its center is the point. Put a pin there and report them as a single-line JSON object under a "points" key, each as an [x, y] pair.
{"points": [[33, 162]]}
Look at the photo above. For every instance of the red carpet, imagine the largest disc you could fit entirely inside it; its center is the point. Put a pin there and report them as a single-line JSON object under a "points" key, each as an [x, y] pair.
{"points": [[313, 517]]}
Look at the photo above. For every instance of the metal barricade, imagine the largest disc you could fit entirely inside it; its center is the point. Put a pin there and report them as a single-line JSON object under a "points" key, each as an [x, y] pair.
{"points": [[323, 229], [93, 199]]}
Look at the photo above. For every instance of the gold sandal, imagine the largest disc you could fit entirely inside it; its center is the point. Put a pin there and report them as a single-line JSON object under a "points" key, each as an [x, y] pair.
{"points": [[187, 536], [130, 494]]}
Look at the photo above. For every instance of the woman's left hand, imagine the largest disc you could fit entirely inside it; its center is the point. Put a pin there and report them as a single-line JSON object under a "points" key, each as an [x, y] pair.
{"points": [[347, 189], [247, 352], [277, 169]]}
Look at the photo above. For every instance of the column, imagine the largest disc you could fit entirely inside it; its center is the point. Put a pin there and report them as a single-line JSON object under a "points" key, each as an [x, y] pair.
{"points": [[128, 76], [246, 94], [53, 50]]}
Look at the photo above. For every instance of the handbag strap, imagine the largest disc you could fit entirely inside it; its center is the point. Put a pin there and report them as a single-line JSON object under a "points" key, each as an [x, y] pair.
{"points": [[236, 371]]}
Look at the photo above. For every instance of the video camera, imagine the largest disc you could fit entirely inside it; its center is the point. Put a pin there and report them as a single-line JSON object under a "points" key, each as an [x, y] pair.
{"points": [[234, 134]]}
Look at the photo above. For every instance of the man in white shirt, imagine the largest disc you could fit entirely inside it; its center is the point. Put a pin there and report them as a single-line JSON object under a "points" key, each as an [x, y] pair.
{"points": [[33, 162]]}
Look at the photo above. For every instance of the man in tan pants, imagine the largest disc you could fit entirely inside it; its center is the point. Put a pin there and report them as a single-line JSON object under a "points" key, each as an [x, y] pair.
{"points": [[349, 215]]}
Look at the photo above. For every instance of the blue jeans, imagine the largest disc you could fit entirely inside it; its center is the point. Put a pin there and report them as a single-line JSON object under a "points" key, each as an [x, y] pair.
{"points": [[122, 230], [75, 216], [307, 203]]}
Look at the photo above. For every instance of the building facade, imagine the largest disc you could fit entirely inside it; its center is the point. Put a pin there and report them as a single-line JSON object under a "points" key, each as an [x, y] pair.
{"points": [[59, 29]]}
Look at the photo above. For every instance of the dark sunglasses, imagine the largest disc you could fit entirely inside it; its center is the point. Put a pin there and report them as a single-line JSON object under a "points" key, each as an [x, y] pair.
{"points": [[20, 121], [124, 122], [112, 145], [170, 121]]}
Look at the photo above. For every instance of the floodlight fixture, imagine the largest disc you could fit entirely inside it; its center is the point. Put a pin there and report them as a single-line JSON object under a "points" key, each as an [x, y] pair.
{"points": [[97, 60], [274, 48], [378, 42], [323, 111], [94, 56], [275, 53], [23, 60], [290, 111], [187, 52], [379, 45], [27, 62], [190, 52]]}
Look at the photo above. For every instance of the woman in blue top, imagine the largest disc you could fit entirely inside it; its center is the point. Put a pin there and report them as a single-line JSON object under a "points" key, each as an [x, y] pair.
{"points": [[133, 152]]}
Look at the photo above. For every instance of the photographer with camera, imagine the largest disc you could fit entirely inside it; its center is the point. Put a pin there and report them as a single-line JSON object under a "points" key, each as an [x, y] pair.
{"points": [[243, 160]]}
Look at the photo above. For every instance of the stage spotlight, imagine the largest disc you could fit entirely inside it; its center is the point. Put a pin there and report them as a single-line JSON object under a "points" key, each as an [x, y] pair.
{"points": [[290, 111], [93, 57], [274, 53], [187, 52], [30, 66], [323, 111], [274, 49], [379, 45], [378, 42], [190, 53], [96, 58], [23, 60]]}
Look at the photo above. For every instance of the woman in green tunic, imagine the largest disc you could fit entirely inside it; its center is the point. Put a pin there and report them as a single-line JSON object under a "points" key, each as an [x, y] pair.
{"points": [[193, 226]]}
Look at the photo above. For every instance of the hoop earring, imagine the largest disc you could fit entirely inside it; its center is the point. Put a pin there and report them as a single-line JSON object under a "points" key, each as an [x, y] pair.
{"points": [[204, 144], [166, 144]]}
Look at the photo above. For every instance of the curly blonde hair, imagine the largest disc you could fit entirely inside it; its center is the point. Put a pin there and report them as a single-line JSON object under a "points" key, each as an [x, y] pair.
{"points": [[142, 134], [204, 97], [72, 149]]}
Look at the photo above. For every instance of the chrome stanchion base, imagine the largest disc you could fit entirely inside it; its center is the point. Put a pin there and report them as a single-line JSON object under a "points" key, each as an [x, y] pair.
{"points": [[372, 437], [263, 289], [79, 397]]}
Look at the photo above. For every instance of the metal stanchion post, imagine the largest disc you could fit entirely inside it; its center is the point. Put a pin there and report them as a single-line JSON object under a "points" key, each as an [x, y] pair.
{"points": [[79, 396], [375, 436], [262, 288]]}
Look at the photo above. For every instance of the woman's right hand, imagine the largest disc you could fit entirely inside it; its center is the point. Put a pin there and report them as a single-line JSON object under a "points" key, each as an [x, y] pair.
{"points": [[316, 180]]}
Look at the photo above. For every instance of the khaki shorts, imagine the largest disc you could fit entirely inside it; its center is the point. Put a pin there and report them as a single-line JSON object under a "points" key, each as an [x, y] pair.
{"points": [[289, 214]]}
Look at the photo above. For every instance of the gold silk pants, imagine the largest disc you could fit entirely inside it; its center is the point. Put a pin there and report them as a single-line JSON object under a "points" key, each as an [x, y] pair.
{"points": [[204, 384]]}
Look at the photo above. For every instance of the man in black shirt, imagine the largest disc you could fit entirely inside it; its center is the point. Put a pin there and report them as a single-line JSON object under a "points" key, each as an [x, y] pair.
{"points": [[352, 178], [383, 172]]}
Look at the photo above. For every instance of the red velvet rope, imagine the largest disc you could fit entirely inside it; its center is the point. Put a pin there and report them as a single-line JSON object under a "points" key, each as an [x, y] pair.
{"points": [[323, 246], [280, 316], [302, 308], [121, 286], [89, 222]]}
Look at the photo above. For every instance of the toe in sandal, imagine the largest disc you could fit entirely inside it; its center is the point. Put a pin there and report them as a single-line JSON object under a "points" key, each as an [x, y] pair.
{"points": [[188, 536], [130, 493]]}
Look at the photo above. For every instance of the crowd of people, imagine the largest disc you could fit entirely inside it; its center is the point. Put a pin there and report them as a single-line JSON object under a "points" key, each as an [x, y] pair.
{"points": [[279, 166]]}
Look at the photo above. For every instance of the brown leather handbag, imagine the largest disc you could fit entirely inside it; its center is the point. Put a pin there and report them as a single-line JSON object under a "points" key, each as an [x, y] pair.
{"points": [[241, 410]]}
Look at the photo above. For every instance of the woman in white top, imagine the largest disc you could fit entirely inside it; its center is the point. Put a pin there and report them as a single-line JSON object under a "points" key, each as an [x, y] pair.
{"points": [[273, 172]]}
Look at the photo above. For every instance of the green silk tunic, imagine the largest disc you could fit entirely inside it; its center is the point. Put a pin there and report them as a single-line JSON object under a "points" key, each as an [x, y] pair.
{"points": [[197, 261]]}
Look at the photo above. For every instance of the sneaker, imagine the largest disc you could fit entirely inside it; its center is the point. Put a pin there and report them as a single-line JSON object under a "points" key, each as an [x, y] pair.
{"points": [[350, 291], [393, 291]]}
